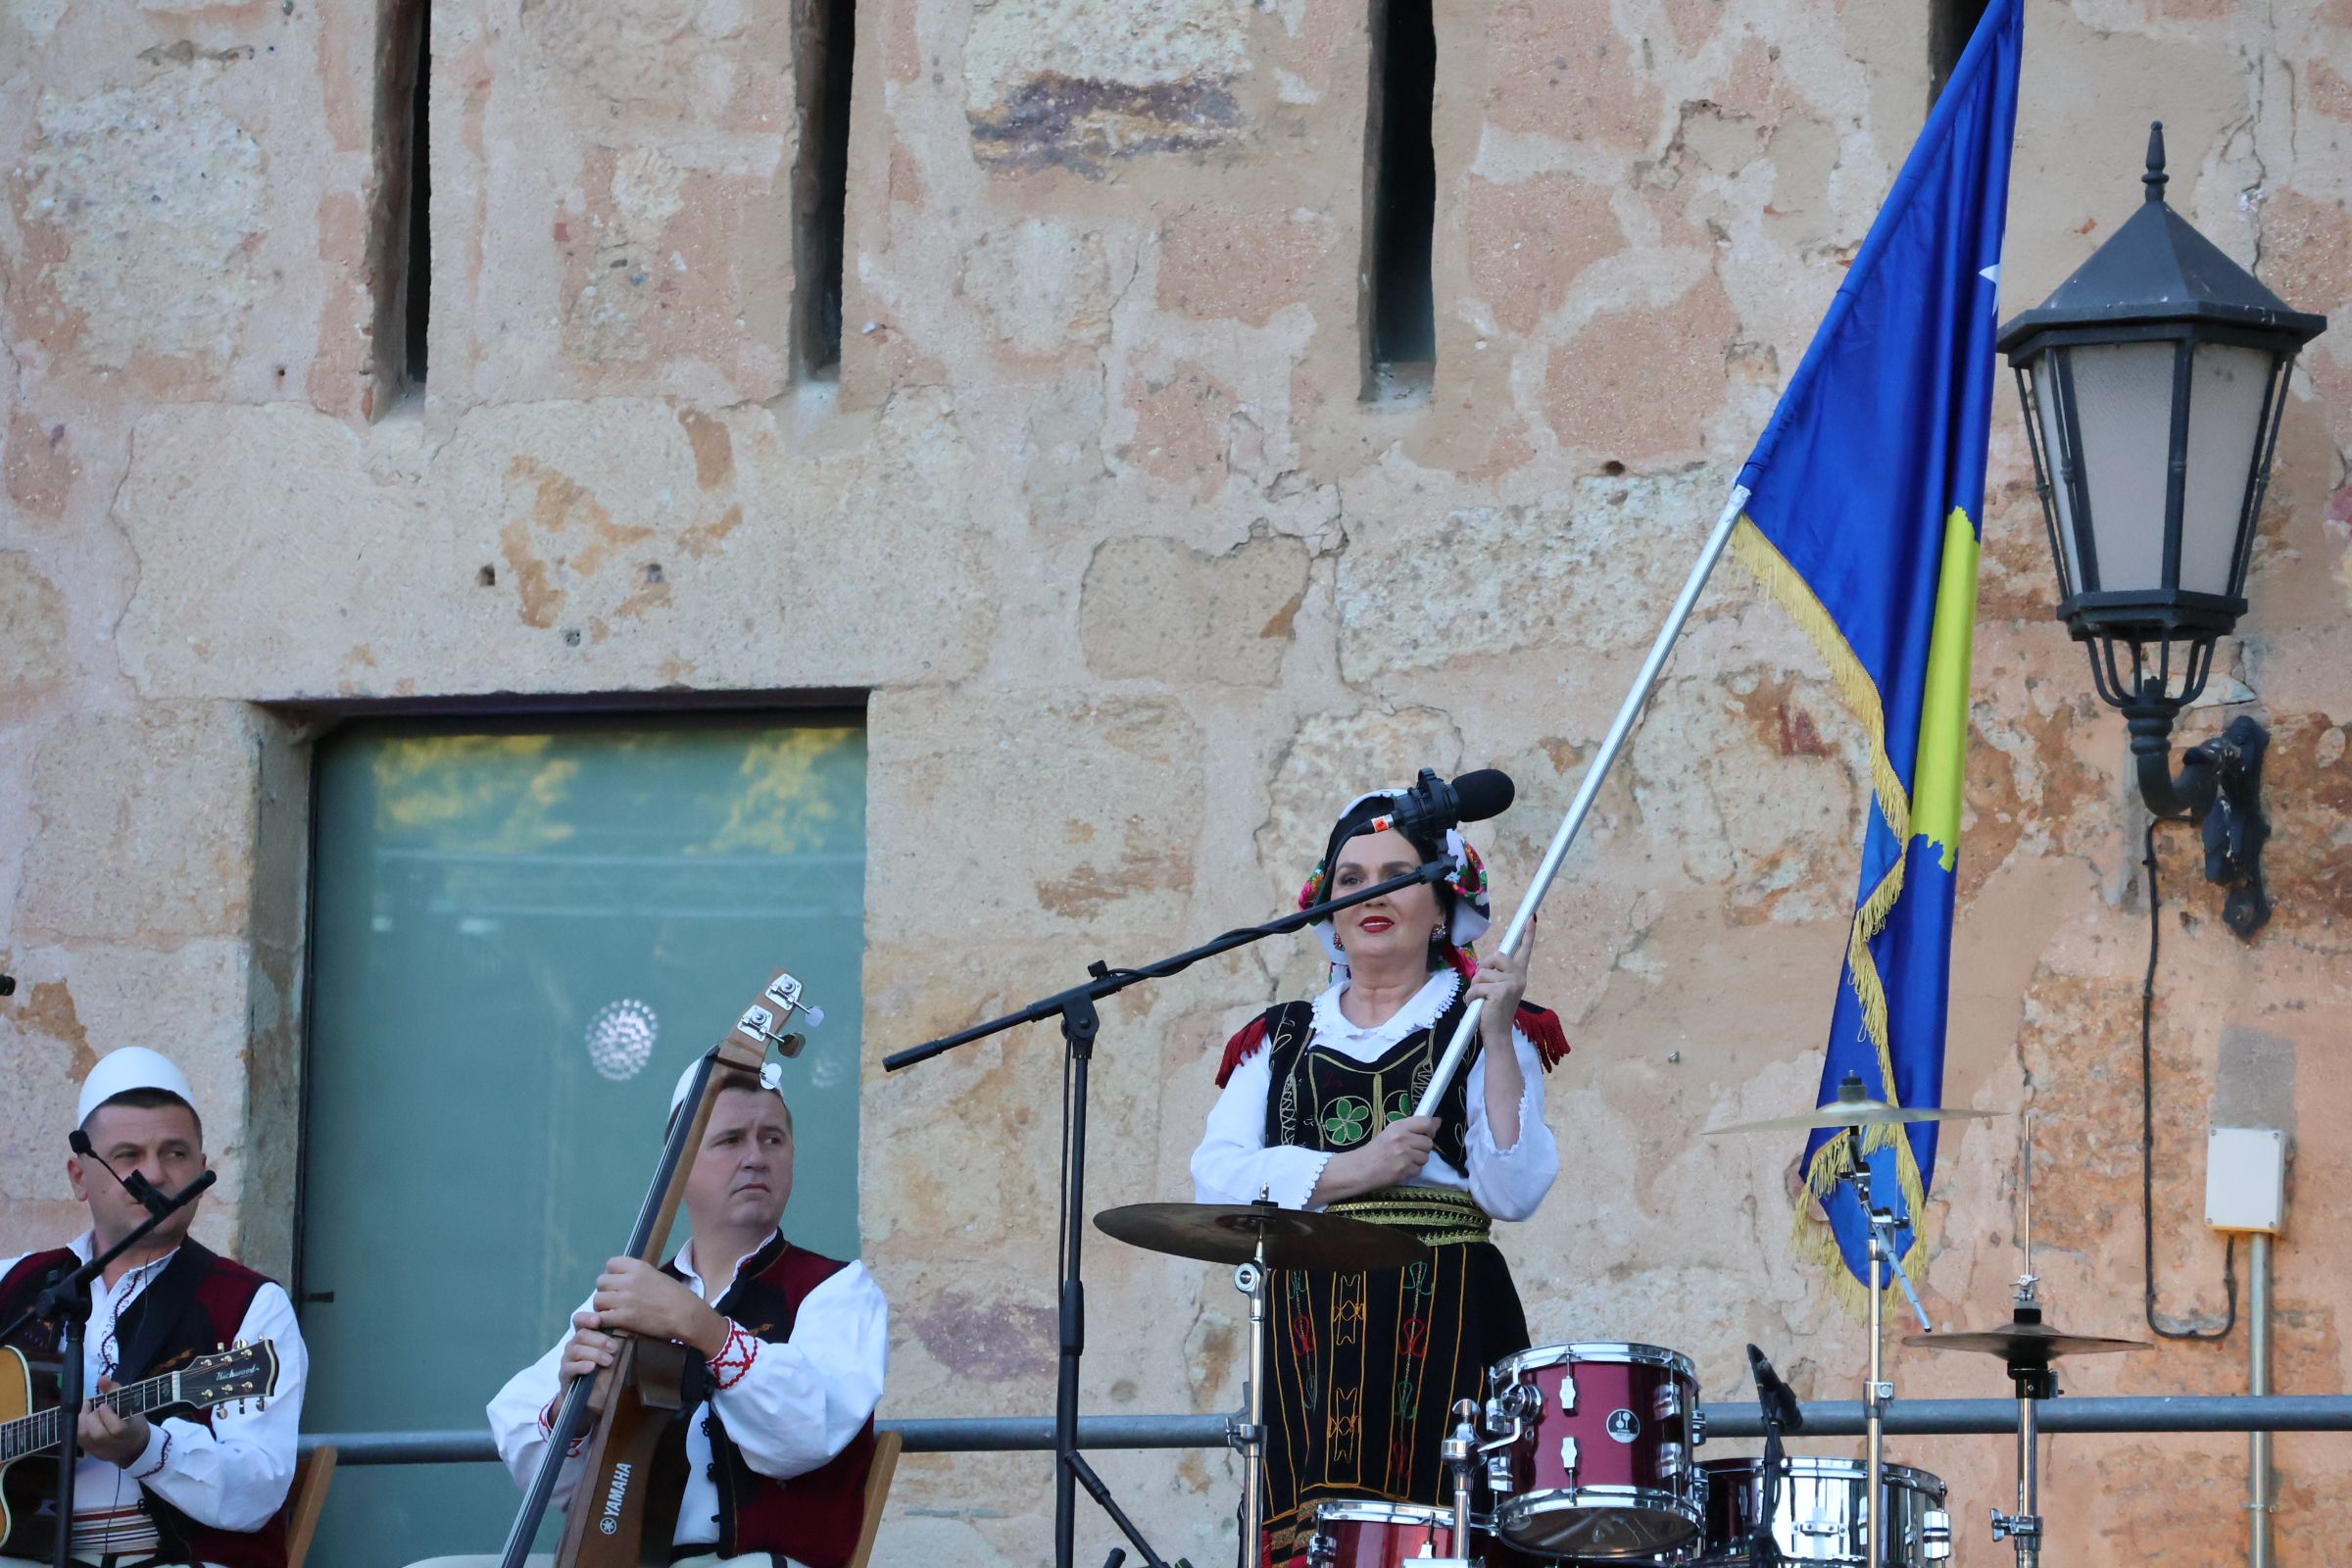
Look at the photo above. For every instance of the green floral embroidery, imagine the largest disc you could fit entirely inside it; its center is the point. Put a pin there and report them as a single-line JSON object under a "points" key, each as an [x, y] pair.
{"points": [[1349, 1121], [1400, 1106]]}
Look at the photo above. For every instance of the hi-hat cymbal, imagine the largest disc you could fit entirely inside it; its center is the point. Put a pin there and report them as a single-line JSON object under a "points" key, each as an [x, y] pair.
{"points": [[1854, 1108], [2022, 1341], [1220, 1232]]}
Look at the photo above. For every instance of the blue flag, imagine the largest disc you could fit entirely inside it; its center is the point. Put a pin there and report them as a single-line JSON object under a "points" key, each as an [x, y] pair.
{"points": [[1864, 518]]}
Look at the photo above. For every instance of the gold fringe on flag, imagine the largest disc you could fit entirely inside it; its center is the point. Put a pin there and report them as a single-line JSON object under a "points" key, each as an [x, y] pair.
{"points": [[1814, 1239]]}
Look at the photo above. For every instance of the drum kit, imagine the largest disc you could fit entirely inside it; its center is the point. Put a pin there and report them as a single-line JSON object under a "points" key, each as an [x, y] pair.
{"points": [[1585, 1453]]}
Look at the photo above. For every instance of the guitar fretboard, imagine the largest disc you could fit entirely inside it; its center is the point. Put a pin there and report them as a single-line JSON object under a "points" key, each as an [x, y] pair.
{"points": [[43, 1430]]}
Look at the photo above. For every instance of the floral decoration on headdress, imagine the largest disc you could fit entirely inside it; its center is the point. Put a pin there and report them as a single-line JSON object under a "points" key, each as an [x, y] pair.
{"points": [[1472, 915]]}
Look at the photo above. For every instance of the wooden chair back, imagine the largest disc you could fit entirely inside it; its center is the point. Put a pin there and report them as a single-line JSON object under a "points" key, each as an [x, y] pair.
{"points": [[306, 1499], [877, 1493]]}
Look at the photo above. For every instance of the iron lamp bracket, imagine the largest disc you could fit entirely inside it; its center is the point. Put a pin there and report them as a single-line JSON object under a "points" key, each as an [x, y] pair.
{"points": [[2220, 788]]}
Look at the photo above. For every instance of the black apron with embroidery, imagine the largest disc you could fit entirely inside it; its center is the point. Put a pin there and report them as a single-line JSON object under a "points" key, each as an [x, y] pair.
{"points": [[1365, 1367]]}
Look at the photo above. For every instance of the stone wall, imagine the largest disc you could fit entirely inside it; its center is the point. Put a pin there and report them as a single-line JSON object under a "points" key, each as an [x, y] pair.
{"points": [[1096, 515]]}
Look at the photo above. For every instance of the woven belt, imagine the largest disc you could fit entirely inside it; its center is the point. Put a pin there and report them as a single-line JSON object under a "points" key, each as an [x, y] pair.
{"points": [[1442, 1216]]}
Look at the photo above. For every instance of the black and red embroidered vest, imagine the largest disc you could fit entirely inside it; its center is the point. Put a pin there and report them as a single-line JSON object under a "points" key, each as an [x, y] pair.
{"points": [[213, 1296], [1324, 1100], [814, 1517]]}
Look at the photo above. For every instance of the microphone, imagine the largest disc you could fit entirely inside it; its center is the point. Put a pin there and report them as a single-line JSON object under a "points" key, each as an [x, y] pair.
{"points": [[1778, 1398], [1432, 804], [136, 1185]]}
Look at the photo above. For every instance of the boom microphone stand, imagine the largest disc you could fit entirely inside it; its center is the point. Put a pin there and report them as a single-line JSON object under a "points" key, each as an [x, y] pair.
{"points": [[65, 1304], [1080, 1023]]}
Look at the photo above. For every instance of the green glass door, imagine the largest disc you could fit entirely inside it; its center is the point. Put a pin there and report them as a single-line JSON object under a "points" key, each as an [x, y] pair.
{"points": [[522, 936]]}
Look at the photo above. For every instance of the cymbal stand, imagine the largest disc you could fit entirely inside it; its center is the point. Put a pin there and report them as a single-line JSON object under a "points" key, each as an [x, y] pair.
{"points": [[1877, 1391], [2035, 1382], [1249, 1435]]}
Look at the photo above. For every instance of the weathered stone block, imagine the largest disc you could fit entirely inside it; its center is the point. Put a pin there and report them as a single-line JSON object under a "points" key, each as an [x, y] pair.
{"points": [[1082, 83], [140, 211], [34, 657], [1530, 239], [1158, 609], [146, 831], [1584, 571]]}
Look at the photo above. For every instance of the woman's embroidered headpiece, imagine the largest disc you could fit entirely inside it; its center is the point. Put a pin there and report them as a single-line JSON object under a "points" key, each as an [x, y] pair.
{"points": [[1472, 915]]}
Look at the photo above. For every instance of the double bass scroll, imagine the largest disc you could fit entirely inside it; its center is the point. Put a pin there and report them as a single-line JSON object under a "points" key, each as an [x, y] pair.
{"points": [[625, 1510]]}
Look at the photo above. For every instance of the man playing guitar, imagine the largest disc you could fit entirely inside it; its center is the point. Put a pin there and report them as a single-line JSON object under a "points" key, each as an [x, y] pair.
{"points": [[208, 1488]]}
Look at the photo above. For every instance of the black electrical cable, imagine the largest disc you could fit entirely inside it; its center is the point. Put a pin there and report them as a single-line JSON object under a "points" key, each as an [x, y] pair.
{"points": [[2147, 1135]]}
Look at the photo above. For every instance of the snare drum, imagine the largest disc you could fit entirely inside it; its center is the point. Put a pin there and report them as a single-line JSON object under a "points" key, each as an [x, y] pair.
{"points": [[1599, 1467], [1392, 1535], [1822, 1517]]}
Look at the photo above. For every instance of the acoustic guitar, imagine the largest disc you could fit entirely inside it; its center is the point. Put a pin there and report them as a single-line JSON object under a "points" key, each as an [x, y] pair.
{"points": [[240, 1373]]}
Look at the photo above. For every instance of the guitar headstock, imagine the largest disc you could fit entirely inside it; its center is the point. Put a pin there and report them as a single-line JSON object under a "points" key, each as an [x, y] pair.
{"points": [[764, 1023], [241, 1372]]}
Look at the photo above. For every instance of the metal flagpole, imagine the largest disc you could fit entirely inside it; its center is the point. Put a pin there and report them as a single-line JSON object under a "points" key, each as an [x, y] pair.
{"points": [[1581, 806]]}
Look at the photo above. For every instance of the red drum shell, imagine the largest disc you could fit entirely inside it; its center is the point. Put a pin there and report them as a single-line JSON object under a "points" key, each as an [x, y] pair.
{"points": [[1603, 1471], [1392, 1535]]}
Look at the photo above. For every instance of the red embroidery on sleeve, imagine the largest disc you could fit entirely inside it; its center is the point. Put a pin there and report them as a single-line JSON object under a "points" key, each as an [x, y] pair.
{"points": [[734, 1360], [163, 1456]]}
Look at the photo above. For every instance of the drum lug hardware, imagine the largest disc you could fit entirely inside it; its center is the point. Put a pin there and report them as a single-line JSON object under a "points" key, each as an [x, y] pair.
{"points": [[1698, 1428], [1321, 1550], [1568, 1457], [1671, 1463], [1936, 1536]]}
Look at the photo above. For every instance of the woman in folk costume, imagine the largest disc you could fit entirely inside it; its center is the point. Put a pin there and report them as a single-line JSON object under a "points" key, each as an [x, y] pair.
{"points": [[1317, 1113]]}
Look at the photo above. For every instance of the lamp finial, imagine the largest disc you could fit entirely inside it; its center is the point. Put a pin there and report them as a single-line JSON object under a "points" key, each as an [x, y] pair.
{"points": [[2155, 178]]}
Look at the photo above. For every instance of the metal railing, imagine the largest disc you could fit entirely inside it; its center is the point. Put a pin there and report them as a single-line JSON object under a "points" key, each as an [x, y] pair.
{"points": [[2278, 1413]]}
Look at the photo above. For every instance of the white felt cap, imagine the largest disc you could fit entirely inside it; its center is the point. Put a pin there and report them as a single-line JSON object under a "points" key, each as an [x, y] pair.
{"points": [[771, 1078], [132, 1068]]}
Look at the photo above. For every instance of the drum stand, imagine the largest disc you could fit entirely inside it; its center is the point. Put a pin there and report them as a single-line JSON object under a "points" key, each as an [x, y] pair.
{"points": [[1877, 1391]]}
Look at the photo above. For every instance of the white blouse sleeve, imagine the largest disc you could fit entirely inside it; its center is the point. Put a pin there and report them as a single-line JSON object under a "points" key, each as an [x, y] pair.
{"points": [[791, 1407], [1233, 1164], [522, 1414], [1508, 1183]]}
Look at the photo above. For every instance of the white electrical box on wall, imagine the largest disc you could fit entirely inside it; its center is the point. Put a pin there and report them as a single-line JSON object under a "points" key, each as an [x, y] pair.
{"points": [[2246, 1179]]}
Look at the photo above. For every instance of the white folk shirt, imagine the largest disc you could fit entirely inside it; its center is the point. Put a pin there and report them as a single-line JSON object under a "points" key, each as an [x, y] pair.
{"points": [[1234, 1165], [232, 1475], [797, 1405]]}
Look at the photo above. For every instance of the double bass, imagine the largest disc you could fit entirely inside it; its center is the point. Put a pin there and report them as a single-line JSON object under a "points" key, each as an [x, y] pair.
{"points": [[626, 1512]]}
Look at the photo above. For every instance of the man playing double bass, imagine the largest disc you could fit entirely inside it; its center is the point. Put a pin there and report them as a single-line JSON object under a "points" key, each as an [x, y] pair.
{"points": [[793, 1349]]}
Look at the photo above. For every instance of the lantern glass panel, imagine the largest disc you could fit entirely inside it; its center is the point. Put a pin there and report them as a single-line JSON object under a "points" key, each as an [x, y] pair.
{"points": [[2057, 454], [2123, 408], [2226, 383]]}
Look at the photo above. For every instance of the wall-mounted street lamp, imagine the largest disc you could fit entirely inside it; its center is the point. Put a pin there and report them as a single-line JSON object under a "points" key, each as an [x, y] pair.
{"points": [[2153, 381]]}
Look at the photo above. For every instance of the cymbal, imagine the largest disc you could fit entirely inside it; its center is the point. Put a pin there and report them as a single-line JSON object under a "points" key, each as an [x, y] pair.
{"points": [[2022, 1342], [1220, 1232], [1854, 1108]]}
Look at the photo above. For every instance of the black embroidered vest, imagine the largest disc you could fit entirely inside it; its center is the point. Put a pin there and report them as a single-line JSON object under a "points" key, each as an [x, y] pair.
{"points": [[207, 1296], [1324, 1100]]}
